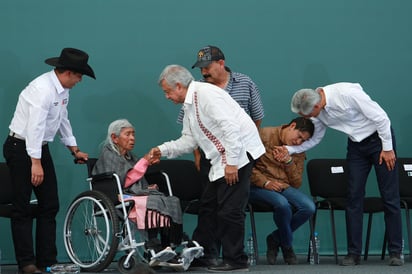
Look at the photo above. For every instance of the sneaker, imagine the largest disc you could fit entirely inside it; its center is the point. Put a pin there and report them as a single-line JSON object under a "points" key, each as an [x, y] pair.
{"points": [[272, 249], [189, 253], [395, 259], [175, 264], [185, 262], [162, 256], [350, 260], [289, 256]]}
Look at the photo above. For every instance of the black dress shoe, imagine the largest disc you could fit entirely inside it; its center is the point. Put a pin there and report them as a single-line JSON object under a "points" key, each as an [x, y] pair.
{"points": [[225, 267], [202, 262], [29, 269], [350, 260], [395, 259]]}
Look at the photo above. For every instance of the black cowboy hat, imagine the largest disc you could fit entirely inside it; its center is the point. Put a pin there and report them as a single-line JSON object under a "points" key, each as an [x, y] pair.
{"points": [[72, 59]]}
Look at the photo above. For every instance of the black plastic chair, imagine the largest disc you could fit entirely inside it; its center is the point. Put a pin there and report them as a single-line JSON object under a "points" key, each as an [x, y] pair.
{"points": [[328, 187], [405, 190], [185, 181]]}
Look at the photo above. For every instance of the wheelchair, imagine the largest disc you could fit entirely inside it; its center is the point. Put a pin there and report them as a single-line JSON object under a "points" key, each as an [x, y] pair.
{"points": [[97, 226]]}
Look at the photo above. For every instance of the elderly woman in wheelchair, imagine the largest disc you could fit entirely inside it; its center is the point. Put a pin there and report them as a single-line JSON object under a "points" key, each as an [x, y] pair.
{"points": [[144, 209]]}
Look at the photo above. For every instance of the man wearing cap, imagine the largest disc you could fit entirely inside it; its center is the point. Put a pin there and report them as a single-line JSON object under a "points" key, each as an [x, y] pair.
{"points": [[240, 87], [40, 114]]}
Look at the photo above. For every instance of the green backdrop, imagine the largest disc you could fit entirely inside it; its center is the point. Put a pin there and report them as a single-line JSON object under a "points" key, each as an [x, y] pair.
{"points": [[282, 45]]}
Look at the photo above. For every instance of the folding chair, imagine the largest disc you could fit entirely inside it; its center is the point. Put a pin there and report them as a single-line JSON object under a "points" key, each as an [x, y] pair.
{"points": [[328, 187]]}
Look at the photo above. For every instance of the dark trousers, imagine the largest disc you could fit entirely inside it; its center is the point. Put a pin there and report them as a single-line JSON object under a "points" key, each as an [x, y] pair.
{"points": [[361, 157], [222, 217], [19, 163]]}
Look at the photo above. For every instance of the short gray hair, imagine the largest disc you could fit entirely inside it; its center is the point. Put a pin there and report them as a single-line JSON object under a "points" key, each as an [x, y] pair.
{"points": [[115, 128], [304, 100], [174, 74]]}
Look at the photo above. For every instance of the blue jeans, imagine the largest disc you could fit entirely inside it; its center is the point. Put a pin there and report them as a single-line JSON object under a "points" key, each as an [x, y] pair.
{"points": [[361, 156], [291, 209]]}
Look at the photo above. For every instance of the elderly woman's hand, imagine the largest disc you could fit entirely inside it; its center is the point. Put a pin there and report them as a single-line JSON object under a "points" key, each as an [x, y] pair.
{"points": [[155, 155], [154, 186]]}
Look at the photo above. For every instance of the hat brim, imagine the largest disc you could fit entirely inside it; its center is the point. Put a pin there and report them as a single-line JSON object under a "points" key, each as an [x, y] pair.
{"points": [[201, 64], [87, 70]]}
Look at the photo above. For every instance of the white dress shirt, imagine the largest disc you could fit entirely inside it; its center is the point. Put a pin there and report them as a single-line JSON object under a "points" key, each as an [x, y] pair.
{"points": [[41, 112], [350, 110], [225, 119]]}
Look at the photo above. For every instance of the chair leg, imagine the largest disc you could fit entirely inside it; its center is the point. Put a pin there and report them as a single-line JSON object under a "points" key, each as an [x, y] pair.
{"points": [[252, 224], [335, 248], [312, 223], [368, 235], [408, 227], [385, 240]]}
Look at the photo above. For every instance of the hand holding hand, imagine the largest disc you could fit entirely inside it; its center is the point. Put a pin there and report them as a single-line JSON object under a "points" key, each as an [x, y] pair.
{"points": [[281, 154], [154, 155]]}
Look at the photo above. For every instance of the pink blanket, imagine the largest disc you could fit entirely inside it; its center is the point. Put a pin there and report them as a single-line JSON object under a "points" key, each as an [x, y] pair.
{"points": [[144, 217]]}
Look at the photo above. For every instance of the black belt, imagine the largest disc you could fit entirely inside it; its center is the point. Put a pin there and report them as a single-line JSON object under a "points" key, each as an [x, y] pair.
{"points": [[373, 136], [17, 136]]}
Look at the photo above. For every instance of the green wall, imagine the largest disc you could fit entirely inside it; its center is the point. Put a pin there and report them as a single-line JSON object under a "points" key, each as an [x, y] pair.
{"points": [[282, 45]]}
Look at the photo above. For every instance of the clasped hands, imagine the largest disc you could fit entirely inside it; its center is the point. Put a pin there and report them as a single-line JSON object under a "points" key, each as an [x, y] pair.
{"points": [[281, 154], [153, 157]]}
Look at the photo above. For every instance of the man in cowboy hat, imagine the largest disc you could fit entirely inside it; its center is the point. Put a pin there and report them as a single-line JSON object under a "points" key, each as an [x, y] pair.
{"points": [[40, 113]]}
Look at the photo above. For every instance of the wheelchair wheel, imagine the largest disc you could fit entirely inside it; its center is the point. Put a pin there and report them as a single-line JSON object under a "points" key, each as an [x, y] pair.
{"points": [[130, 267], [91, 231]]}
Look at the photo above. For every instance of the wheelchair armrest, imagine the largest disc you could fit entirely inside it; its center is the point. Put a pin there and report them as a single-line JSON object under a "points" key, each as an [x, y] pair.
{"points": [[102, 176]]}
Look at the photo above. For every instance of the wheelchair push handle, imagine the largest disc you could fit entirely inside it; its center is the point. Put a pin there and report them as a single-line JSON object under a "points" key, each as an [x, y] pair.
{"points": [[80, 161]]}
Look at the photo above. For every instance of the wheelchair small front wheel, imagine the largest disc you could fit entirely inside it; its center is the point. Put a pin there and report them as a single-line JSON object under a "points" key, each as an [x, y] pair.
{"points": [[91, 230], [131, 266]]}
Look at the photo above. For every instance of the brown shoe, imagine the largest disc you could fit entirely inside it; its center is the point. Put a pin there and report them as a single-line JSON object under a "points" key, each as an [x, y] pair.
{"points": [[395, 259], [29, 269], [289, 255], [272, 249], [350, 260]]}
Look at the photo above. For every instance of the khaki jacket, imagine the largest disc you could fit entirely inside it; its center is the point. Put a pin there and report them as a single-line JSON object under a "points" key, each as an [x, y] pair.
{"points": [[268, 169]]}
